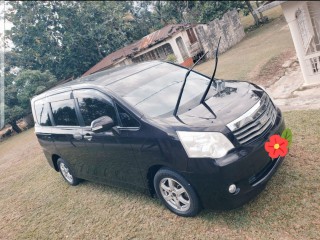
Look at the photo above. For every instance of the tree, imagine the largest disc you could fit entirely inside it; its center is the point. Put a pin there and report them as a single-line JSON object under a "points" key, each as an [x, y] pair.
{"points": [[253, 13], [67, 38], [206, 11], [161, 13], [20, 89], [262, 18]]}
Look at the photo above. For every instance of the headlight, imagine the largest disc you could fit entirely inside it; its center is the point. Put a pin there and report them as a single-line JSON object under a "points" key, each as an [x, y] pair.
{"points": [[205, 144]]}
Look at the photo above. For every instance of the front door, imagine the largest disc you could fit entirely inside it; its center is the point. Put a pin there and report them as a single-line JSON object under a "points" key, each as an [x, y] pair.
{"points": [[110, 156], [66, 132]]}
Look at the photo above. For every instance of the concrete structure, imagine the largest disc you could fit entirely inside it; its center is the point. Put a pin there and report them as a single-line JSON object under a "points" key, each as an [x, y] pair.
{"points": [[178, 40], [185, 42], [228, 27], [303, 18]]}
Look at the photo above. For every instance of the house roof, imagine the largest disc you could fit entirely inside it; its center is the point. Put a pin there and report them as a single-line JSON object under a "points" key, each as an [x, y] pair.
{"points": [[144, 43]]}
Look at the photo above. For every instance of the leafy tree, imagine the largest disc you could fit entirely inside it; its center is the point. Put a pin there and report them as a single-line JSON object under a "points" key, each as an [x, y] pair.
{"points": [[67, 38], [20, 89], [206, 11]]}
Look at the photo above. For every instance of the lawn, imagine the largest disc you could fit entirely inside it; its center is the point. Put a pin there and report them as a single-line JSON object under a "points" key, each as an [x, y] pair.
{"points": [[36, 203]]}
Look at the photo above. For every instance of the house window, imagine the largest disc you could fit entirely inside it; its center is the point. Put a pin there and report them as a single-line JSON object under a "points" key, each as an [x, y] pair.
{"points": [[159, 53], [191, 35], [167, 49]]}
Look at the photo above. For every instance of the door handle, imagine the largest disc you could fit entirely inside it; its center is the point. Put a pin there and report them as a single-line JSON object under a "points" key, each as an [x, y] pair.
{"points": [[45, 135], [88, 137], [77, 136]]}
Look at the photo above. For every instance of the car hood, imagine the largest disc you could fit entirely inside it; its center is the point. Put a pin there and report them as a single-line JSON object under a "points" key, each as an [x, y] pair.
{"points": [[220, 109]]}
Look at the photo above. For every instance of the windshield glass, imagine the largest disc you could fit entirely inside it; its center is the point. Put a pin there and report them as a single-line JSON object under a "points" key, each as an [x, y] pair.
{"points": [[155, 91]]}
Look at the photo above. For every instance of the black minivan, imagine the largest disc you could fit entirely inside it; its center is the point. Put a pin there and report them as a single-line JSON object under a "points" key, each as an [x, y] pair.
{"points": [[119, 127]]}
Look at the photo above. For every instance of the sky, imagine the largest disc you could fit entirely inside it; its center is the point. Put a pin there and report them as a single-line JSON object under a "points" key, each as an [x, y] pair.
{"points": [[3, 25], [1, 16], [1, 66]]}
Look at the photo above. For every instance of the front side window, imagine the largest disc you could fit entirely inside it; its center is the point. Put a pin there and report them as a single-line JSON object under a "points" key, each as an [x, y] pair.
{"points": [[94, 104], [42, 114], [64, 113], [126, 119]]}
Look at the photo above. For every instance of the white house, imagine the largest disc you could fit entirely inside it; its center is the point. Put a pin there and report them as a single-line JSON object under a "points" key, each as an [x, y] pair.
{"points": [[179, 40], [186, 42]]}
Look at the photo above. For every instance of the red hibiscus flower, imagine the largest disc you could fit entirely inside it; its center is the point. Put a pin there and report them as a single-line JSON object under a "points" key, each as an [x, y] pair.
{"points": [[277, 146]]}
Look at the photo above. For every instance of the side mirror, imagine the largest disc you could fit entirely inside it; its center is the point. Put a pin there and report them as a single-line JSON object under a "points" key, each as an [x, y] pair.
{"points": [[102, 124]]}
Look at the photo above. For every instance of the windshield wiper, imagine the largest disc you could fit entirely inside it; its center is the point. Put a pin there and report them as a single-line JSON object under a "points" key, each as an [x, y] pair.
{"points": [[214, 73], [184, 83]]}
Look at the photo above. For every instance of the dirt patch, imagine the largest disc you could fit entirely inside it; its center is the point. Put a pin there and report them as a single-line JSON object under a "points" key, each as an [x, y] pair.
{"points": [[273, 70]]}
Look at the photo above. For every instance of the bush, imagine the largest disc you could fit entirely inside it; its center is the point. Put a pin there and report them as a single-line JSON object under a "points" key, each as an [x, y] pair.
{"points": [[171, 58]]}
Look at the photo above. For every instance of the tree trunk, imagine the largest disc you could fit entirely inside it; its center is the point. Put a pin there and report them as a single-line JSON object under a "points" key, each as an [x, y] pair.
{"points": [[260, 13], [254, 15], [15, 127]]}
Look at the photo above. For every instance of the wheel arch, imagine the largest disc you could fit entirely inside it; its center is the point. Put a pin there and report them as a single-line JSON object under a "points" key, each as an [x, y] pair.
{"points": [[150, 176], [55, 158]]}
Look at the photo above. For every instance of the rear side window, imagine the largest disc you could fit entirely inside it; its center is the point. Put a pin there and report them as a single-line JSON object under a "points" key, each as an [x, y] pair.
{"points": [[64, 113], [42, 113], [94, 104]]}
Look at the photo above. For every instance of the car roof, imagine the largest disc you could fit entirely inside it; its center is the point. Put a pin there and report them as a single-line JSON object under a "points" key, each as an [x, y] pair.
{"points": [[107, 77], [104, 78]]}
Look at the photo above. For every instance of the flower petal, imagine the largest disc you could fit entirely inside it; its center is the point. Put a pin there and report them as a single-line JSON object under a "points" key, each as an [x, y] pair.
{"points": [[268, 146], [283, 151], [274, 139], [283, 142], [274, 153]]}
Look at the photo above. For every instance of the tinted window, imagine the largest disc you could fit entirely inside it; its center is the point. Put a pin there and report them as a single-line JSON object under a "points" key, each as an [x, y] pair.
{"points": [[42, 114], [126, 119], [94, 104], [64, 113]]}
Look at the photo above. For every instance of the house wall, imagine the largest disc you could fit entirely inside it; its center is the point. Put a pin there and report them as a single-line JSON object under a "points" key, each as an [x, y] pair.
{"points": [[174, 46], [228, 27], [289, 10]]}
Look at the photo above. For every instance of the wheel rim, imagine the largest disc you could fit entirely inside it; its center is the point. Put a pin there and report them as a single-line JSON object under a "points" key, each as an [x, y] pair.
{"points": [[174, 194], [65, 172]]}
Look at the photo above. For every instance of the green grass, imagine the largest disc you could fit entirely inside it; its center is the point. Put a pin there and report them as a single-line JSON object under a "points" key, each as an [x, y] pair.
{"points": [[36, 203], [272, 13]]}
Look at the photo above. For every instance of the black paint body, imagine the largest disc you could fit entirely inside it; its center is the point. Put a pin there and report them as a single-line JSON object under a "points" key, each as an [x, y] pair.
{"points": [[130, 156]]}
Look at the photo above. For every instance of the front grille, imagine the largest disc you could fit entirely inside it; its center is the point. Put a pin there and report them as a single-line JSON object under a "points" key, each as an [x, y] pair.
{"points": [[261, 118]]}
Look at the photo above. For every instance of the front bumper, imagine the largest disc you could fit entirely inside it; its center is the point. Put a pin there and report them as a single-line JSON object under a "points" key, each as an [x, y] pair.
{"points": [[248, 167]]}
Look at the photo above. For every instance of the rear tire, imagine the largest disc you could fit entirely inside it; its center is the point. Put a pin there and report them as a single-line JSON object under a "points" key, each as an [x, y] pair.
{"points": [[66, 172], [176, 193]]}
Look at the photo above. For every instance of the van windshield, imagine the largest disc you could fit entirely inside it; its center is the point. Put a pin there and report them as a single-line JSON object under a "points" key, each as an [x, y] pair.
{"points": [[154, 91]]}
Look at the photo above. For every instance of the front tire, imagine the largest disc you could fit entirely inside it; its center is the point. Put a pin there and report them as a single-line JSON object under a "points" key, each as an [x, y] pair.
{"points": [[176, 193], [66, 172]]}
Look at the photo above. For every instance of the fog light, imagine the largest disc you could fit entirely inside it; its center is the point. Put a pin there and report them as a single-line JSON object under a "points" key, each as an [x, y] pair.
{"points": [[232, 188]]}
